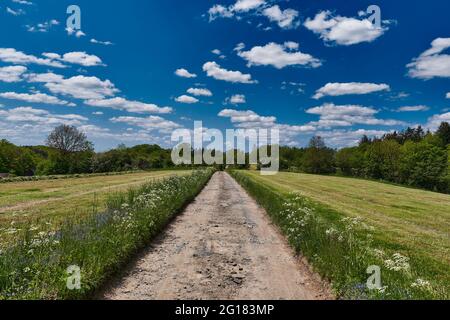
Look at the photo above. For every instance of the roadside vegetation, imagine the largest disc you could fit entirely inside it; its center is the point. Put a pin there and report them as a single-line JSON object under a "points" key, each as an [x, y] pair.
{"points": [[55, 201], [35, 265], [410, 244]]}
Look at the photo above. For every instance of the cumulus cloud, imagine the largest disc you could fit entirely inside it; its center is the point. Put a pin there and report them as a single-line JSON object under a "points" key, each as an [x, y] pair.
{"points": [[237, 116], [200, 92], [247, 5], [39, 116], [82, 87], [50, 59], [219, 11], [343, 30], [186, 99], [148, 123], [435, 121], [340, 89], [286, 19], [184, 73], [26, 125], [413, 108], [12, 73], [347, 115], [81, 58], [35, 98], [43, 26], [214, 70], [432, 63], [251, 120], [11, 55], [217, 52], [76, 33], [43, 77], [348, 138], [279, 56], [118, 103], [236, 99]]}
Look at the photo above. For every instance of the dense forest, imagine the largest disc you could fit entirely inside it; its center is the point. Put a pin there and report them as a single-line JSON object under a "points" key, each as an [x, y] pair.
{"points": [[412, 157]]}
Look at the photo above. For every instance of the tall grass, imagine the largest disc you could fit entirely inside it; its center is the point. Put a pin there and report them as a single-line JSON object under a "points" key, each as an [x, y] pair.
{"points": [[341, 249], [36, 266]]}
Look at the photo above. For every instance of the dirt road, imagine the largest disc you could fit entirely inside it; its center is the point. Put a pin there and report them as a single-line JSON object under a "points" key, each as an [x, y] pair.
{"points": [[223, 246]]}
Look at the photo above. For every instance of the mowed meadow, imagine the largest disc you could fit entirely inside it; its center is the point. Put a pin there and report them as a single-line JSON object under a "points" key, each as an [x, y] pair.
{"points": [[59, 199], [409, 229], [91, 224]]}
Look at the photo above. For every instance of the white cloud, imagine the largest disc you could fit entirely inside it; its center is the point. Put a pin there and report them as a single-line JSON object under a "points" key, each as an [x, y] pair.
{"points": [[184, 73], [236, 99], [251, 120], [186, 99], [279, 56], [343, 30], [17, 12], [435, 121], [105, 43], [76, 33], [217, 52], [149, 123], [81, 58], [118, 103], [340, 89], [214, 70], [218, 10], [43, 27], [247, 5], [35, 98], [347, 115], [44, 77], [200, 92], [285, 19], [448, 95], [39, 116], [12, 73], [432, 63], [11, 55], [28, 126], [29, 3], [413, 108], [97, 113], [82, 87], [348, 138], [237, 116]]}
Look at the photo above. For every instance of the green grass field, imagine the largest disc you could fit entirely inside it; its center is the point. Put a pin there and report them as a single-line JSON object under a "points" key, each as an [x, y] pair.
{"points": [[57, 200], [98, 244], [414, 222]]}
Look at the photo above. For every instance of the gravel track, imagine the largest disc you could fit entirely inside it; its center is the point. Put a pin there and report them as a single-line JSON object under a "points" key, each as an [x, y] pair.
{"points": [[223, 246]]}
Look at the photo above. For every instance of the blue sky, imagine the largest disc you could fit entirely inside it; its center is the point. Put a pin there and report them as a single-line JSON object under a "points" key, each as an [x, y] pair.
{"points": [[304, 67]]}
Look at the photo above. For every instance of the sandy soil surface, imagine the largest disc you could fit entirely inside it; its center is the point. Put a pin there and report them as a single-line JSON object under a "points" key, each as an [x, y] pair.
{"points": [[223, 246]]}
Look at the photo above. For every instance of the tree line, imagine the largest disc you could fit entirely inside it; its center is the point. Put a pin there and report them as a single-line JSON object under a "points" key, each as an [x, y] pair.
{"points": [[411, 157], [67, 151]]}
